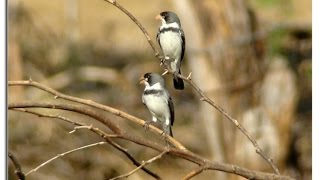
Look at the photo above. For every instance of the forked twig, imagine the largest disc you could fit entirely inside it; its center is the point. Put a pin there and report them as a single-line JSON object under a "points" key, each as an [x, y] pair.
{"points": [[97, 131]]}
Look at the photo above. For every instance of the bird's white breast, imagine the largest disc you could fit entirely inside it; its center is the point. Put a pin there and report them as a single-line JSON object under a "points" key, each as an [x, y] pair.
{"points": [[171, 47], [171, 44], [157, 106]]}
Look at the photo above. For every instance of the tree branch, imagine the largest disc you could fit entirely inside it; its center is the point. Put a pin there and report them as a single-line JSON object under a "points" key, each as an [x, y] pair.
{"points": [[96, 105], [184, 154], [205, 98], [146, 34], [97, 131], [17, 171], [63, 154]]}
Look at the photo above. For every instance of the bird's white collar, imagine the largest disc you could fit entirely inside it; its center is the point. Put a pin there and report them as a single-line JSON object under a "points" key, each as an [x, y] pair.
{"points": [[170, 25], [156, 86]]}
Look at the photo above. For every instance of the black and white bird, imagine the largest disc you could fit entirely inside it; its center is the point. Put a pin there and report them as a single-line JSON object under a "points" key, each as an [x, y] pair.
{"points": [[171, 39], [158, 101]]}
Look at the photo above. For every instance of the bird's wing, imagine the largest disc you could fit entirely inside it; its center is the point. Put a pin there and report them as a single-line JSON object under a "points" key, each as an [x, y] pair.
{"points": [[183, 42], [158, 38], [143, 100], [170, 103]]}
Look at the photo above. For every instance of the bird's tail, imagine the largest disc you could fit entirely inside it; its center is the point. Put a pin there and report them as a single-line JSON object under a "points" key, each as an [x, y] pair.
{"points": [[171, 134], [178, 82]]}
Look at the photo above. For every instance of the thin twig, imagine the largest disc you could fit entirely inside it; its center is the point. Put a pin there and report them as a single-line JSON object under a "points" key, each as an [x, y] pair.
{"points": [[146, 34], [18, 170], [78, 125], [200, 92], [195, 172], [135, 162], [97, 131], [63, 154], [205, 98], [144, 163]]}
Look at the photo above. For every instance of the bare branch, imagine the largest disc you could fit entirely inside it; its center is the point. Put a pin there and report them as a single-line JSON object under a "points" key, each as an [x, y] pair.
{"points": [[146, 34], [96, 105], [17, 171], [184, 154], [234, 121], [144, 163], [63, 154], [97, 131], [93, 114]]}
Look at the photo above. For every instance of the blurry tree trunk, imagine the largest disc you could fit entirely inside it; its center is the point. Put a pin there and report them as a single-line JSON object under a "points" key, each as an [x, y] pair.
{"points": [[227, 63], [205, 76], [14, 64]]}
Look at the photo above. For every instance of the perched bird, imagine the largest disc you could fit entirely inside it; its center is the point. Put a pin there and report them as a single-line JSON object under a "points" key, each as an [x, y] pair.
{"points": [[171, 39], [158, 101]]}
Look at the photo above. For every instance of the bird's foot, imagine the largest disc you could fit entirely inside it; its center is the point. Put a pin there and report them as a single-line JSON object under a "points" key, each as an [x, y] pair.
{"points": [[165, 138], [168, 145], [146, 125], [164, 60], [165, 134]]}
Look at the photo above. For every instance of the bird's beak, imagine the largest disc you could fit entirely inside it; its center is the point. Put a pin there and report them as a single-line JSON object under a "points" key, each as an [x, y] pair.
{"points": [[142, 80], [158, 17]]}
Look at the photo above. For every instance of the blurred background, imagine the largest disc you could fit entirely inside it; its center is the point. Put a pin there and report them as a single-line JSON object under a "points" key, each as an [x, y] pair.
{"points": [[252, 57]]}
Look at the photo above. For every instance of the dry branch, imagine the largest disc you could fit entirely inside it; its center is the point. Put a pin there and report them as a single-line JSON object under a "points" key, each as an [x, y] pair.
{"points": [[96, 105], [63, 154], [205, 98], [146, 34], [184, 154], [97, 131], [18, 171]]}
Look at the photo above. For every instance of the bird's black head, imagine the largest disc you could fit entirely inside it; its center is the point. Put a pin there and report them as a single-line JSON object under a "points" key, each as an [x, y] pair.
{"points": [[170, 17], [153, 78]]}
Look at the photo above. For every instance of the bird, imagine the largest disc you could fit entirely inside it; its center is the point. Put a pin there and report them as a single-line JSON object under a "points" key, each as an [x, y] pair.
{"points": [[158, 101], [171, 39]]}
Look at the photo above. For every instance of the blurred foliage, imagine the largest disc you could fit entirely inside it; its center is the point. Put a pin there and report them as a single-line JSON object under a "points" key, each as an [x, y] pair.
{"points": [[270, 3], [275, 41]]}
